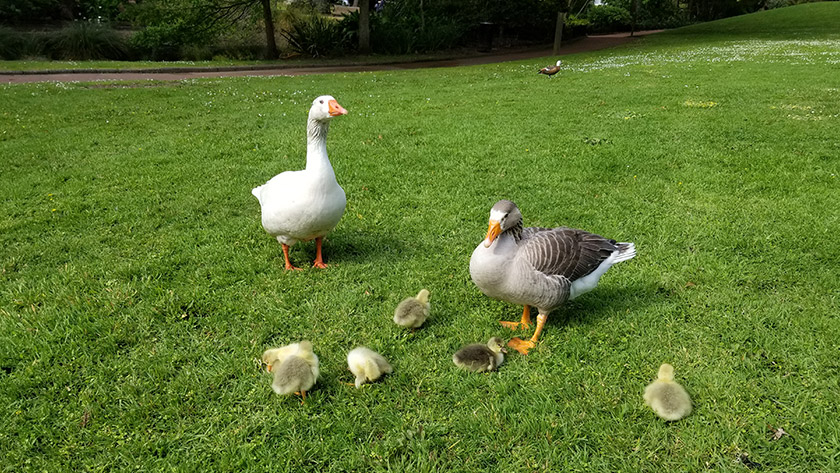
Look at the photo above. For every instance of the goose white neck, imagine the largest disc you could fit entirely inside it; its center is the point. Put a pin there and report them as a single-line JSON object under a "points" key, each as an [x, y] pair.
{"points": [[504, 244], [316, 146]]}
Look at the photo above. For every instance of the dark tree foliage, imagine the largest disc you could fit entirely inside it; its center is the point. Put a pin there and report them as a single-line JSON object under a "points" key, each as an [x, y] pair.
{"points": [[170, 23], [50, 12]]}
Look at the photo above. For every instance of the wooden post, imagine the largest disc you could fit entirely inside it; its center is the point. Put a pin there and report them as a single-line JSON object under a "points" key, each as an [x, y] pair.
{"points": [[558, 31]]}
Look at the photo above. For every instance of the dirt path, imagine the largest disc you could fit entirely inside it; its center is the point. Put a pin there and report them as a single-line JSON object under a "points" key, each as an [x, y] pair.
{"points": [[590, 43]]}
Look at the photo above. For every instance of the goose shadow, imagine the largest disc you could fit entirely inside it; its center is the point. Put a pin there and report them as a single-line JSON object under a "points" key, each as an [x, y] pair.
{"points": [[603, 302], [364, 247]]}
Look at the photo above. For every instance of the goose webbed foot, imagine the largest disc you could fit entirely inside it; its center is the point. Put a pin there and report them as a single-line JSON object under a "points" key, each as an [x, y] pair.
{"points": [[524, 323], [319, 260], [514, 325], [286, 257], [522, 346]]}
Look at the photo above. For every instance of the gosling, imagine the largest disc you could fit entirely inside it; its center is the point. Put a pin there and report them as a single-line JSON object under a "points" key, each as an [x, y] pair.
{"points": [[666, 397], [297, 372], [278, 355], [479, 358], [367, 365], [413, 311]]}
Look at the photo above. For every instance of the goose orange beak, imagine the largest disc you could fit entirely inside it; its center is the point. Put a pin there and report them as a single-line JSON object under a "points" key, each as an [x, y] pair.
{"points": [[493, 231], [336, 109]]}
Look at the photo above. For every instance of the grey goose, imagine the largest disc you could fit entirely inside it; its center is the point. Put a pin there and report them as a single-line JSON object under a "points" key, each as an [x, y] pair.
{"points": [[540, 267]]}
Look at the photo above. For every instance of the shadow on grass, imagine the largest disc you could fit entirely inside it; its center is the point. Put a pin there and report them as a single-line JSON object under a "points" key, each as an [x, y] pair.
{"points": [[604, 301], [364, 247]]}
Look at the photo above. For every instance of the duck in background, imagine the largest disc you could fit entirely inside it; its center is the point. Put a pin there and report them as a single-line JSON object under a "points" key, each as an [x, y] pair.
{"points": [[550, 70]]}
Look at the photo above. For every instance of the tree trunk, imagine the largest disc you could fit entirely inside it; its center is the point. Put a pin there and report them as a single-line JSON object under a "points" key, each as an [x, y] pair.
{"points": [[558, 31], [364, 26], [422, 18], [270, 44]]}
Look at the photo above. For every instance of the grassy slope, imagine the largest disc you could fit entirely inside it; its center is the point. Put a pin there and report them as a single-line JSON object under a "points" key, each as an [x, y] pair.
{"points": [[137, 286]]}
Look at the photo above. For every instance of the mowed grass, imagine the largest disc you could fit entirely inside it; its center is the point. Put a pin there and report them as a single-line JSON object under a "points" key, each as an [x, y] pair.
{"points": [[11, 67], [138, 288]]}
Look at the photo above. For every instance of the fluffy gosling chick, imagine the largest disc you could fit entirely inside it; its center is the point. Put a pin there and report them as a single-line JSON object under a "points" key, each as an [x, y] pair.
{"points": [[666, 397], [412, 312], [276, 356], [367, 365], [297, 372], [478, 357]]}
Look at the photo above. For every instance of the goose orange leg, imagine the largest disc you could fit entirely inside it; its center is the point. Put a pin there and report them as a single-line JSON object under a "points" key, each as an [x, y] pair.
{"points": [[524, 323], [524, 346], [319, 261], [286, 255], [302, 395]]}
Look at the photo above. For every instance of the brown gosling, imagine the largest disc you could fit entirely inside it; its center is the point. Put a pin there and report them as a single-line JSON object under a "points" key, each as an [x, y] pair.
{"points": [[479, 358]]}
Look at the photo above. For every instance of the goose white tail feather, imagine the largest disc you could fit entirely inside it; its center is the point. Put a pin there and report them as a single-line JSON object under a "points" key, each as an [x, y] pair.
{"points": [[256, 191], [626, 251]]}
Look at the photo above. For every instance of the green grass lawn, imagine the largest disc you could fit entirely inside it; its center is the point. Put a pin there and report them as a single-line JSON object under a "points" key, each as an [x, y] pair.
{"points": [[299, 61], [138, 288]]}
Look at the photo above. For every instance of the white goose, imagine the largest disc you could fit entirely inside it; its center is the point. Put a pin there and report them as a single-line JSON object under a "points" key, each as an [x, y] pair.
{"points": [[302, 205], [540, 267]]}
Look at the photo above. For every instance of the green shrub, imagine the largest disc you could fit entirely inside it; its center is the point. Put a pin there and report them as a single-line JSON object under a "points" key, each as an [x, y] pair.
{"points": [[393, 32], [575, 27], [313, 34], [159, 43], [608, 18], [85, 40], [12, 43]]}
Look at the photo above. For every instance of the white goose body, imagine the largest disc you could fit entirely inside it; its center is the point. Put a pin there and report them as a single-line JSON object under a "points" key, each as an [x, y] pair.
{"points": [[541, 267], [302, 205]]}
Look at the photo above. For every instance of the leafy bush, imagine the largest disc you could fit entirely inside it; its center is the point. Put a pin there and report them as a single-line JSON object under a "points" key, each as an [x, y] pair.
{"points": [[244, 48], [12, 44], [575, 27], [786, 3], [159, 43], [313, 34], [608, 18], [654, 14], [85, 40], [395, 33]]}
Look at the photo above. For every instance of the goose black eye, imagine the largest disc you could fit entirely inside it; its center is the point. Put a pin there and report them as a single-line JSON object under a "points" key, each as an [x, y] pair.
{"points": [[322, 101]]}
